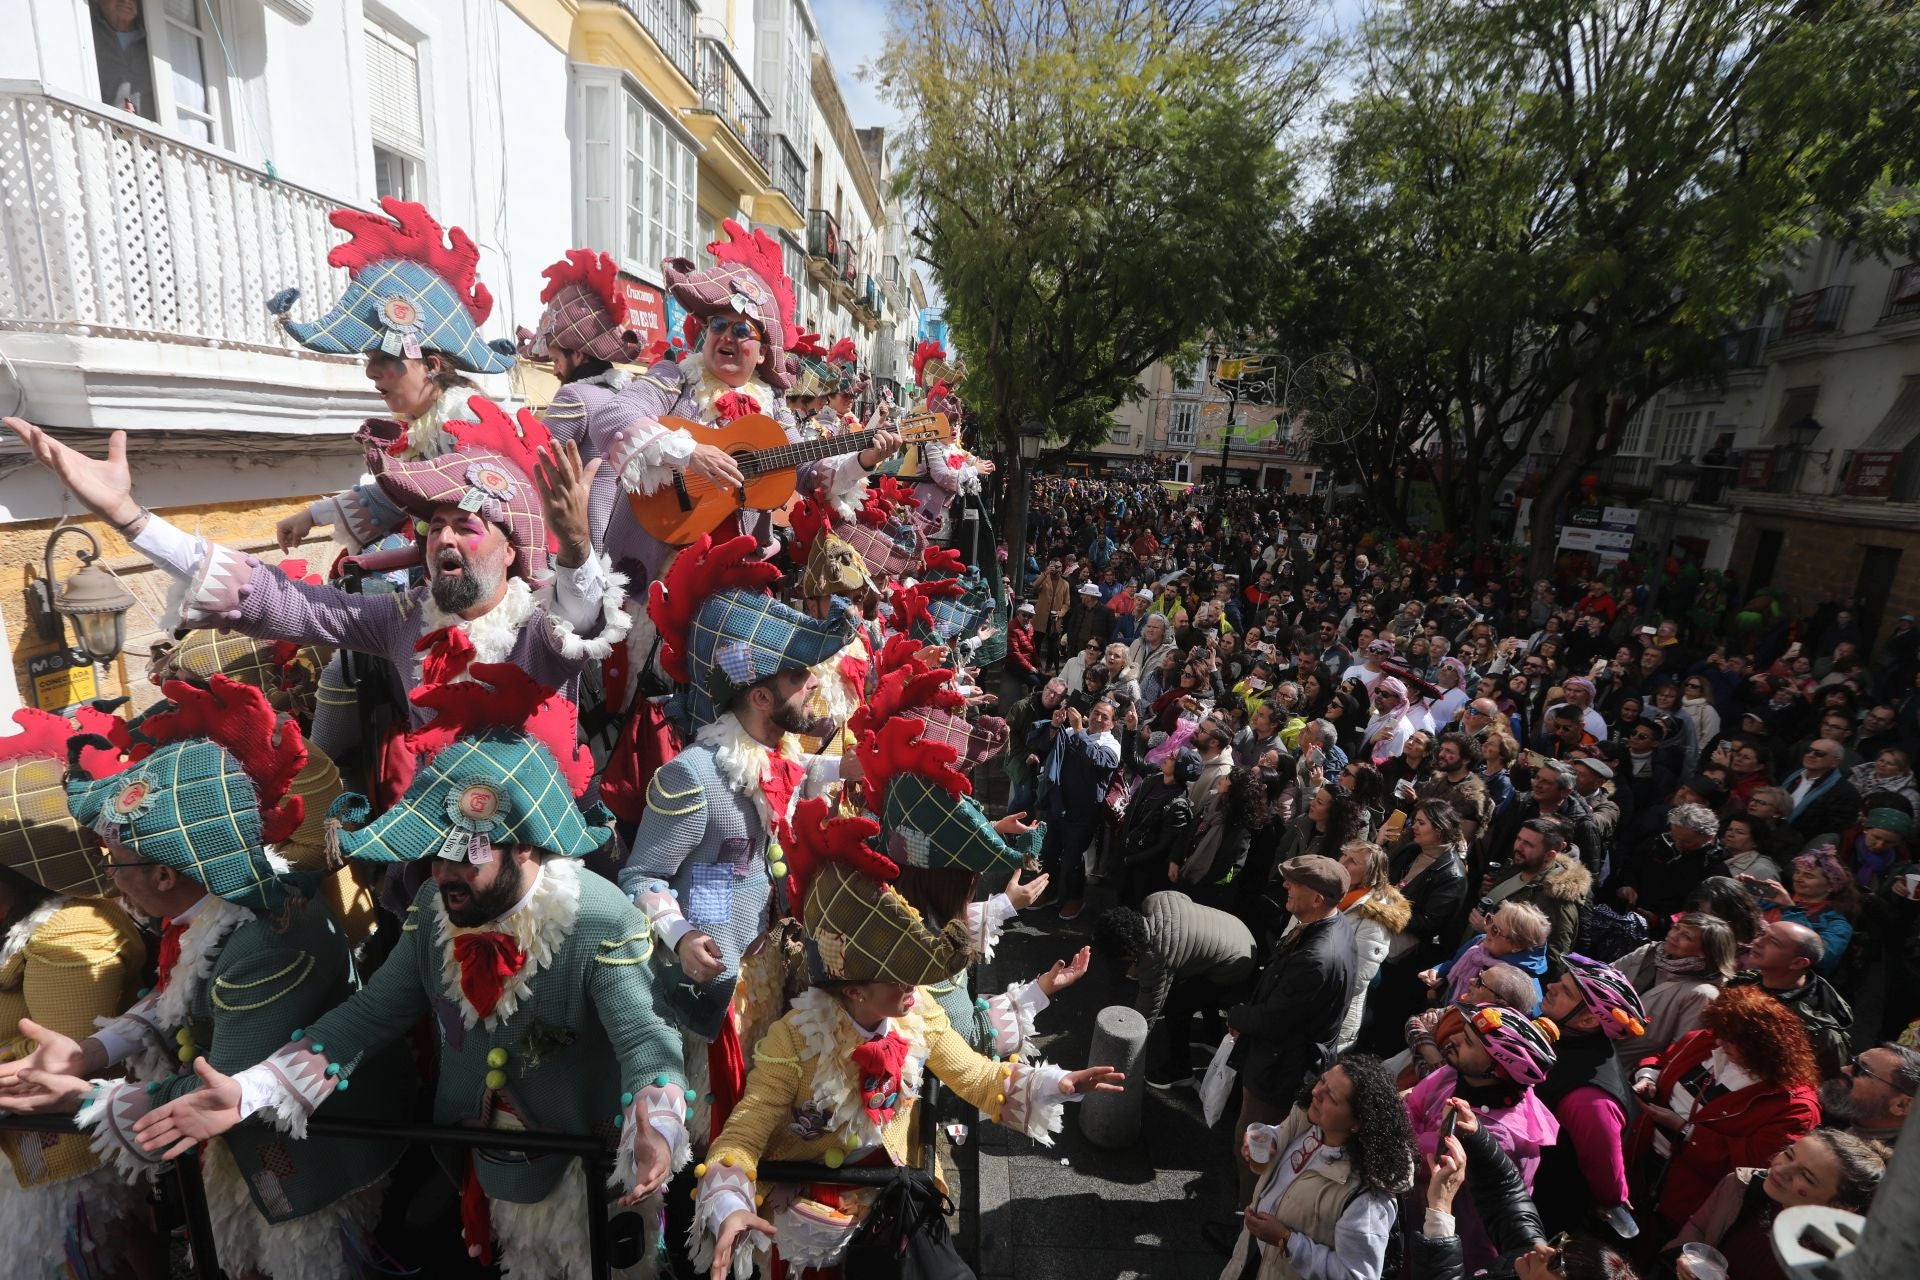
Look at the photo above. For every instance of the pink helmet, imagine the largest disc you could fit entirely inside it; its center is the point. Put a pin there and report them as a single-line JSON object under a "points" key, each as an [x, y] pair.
{"points": [[1522, 1049], [1609, 995]]}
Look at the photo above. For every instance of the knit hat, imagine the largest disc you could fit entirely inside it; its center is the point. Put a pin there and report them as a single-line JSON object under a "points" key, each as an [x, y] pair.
{"points": [[39, 836], [586, 311], [489, 473], [1323, 875], [1522, 1049], [747, 280], [410, 289], [721, 630], [1889, 820], [206, 793], [1611, 998], [503, 768]]}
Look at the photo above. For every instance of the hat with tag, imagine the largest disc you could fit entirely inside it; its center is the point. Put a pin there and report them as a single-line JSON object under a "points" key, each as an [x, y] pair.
{"points": [[411, 290], [39, 836], [489, 473], [748, 279]]}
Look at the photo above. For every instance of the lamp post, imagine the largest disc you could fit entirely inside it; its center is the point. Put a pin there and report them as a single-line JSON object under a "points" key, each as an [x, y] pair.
{"points": [[92, 600], [1029, 443]]}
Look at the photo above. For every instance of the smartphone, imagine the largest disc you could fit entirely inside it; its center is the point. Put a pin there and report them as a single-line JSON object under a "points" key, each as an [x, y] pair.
{"points": [[1648, 631], [1447, 1124]]}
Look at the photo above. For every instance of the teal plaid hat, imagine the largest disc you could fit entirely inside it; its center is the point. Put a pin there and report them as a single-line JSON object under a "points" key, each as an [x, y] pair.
{"points": [[411, 289], [982, 594], [929, 827], [210, 797], [741, 637], [950, 619], [500, 787]]}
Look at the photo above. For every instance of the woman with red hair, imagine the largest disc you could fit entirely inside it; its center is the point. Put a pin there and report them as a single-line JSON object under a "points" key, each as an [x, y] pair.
{"points": [[1727, 1096]]}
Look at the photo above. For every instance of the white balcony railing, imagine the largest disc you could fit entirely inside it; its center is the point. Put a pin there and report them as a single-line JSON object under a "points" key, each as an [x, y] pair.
{"points": [[112, 227]]}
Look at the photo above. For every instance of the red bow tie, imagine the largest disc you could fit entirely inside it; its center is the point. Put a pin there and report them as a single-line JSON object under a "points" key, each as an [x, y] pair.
{"points": [[880, 1061], [735, 404], [170, 932], [487, 960]]}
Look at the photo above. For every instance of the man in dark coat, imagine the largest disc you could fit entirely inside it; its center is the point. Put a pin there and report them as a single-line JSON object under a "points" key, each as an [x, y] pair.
{"points": [[1287, 1031]]}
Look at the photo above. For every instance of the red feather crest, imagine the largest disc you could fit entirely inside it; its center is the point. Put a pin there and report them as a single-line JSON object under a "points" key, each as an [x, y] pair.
{"points": [[928, 350], [594, 270], [699, 571], [42, 733], [501, 695], [906, 688], [807, 344], [104, 762], [910, 604], [819, 839], [889, 489], [943, 560], [807, 520], [844, 352], [492, 431], [239, 718], [418, 238], [898, 748], [760, 254], [898, 651]]}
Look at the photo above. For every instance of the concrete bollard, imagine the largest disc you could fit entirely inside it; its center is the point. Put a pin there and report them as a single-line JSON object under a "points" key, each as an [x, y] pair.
{"points": [[1112, 1120]]}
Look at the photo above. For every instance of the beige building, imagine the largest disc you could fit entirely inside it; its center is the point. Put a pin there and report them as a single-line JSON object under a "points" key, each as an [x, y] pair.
{"points": [[1185, 418]]}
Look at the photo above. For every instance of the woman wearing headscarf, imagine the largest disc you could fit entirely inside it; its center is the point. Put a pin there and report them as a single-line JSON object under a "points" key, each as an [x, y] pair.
{"points": [[1823, 898], [1386, 734]]}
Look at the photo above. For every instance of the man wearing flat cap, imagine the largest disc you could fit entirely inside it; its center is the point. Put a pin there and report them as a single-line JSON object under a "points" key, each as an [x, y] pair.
{"points": [[1288, 1029]]}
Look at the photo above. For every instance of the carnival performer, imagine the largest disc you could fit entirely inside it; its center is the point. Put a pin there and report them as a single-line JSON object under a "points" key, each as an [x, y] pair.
{"points": [[69, 958], [706, 865], [489, 593], [743, 307], [246, 955], [940, 472], [414, 307], [846, 383], [838, 1080], [538, 977], [807, 385]]}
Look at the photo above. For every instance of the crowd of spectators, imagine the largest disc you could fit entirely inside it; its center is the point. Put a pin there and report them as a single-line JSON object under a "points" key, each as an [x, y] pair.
{"points": [[1600, 872]]}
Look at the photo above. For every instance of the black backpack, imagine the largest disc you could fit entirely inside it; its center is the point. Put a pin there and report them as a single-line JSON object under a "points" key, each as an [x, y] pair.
{"points": [[905, 1235]]}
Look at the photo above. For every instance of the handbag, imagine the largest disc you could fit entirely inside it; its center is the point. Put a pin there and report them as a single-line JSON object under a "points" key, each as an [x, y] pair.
{"points": [[904, 1235], [1217, 1085]]}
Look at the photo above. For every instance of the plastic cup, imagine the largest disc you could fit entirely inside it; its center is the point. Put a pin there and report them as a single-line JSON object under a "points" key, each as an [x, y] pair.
{"points": [[1260, 1146], [1704, 1261]]}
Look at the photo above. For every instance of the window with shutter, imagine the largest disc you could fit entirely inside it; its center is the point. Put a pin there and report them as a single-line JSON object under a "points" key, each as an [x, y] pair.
{"points": [[395, 120]]}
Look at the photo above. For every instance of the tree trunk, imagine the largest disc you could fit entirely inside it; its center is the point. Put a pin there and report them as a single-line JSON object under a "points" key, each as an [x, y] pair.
{"points": [[1587, 420]]}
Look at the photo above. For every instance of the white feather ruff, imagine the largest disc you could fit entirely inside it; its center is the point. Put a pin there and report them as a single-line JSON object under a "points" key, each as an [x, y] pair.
{"points": [[829, 1037], [34, 1221], [494, 633], [742, 761], [149, 1021], [539, 928], [311, 1247], [22, 930]]}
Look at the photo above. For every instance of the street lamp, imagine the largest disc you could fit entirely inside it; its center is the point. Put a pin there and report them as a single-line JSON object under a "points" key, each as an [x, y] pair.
{"points": [[1032, 439], [1800, 438], [92, 600]]}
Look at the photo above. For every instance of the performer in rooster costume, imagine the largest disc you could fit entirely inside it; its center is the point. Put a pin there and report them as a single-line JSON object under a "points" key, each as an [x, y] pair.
{"points": [[246, 956], [846, 383], [539, 979], [489, 592], [706, 866], [940, 473], [837, 1080], [807, 387], [69, 958]]}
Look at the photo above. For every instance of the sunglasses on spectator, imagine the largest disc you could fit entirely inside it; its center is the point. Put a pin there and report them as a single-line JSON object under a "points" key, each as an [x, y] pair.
{"points": [[1558, 1262], [1859, 1064], [741, 330]]}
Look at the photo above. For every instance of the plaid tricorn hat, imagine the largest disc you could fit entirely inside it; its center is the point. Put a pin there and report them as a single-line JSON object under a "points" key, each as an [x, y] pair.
{"points": [[747, 279], [928, 805], [39, 836], [586, 311], [209, 797], [834, 568], [884, 548], [721, 630], [503, 768], [490, 474], [859, 929], [807, 366], [844, 376], [411, 289]]}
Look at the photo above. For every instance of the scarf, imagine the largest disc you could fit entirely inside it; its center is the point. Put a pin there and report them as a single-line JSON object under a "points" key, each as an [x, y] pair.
{"points": [[1677, 966], [1583, 1059]]}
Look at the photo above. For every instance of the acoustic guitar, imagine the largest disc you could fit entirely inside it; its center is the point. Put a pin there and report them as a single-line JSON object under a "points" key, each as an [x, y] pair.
{"points": [[679, 512]]}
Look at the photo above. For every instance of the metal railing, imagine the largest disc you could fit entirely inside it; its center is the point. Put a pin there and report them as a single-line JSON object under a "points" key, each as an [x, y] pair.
{"points": [[1903, 294], [823, 237], [726, 91], [789, 171], [1820, 311], [1746, 348], [671, 24], [108, 225]]}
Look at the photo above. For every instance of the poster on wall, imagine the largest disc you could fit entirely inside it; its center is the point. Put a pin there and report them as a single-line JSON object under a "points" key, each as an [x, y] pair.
{"points": [[646, 310]]}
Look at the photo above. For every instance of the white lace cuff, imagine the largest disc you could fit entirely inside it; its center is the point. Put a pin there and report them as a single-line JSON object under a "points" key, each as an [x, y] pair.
{"points": [[724, 1189], [169, 546], [1011, 1015], [645, 454], [290, 1085], [353, 524], [108, 1116], [588, 597], [844, 482], [1030, 1100], [986, 921], [664, 1108]]}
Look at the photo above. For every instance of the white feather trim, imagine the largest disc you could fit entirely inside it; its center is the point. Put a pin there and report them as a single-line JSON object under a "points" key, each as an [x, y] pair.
{"points": [[427, 436], [1012, 1021], [107, 1117], [35, 1221], [150, 1020], [847, 486], [539, 927], [742, 760], [494, 633], [828, 1036], [648, 455], [545, 1240], [326, 1244], [614, 620], [23, 929]]}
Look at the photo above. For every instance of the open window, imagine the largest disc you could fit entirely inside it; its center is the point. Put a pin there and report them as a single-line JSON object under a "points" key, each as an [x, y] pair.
{"points": [[165, 60]]}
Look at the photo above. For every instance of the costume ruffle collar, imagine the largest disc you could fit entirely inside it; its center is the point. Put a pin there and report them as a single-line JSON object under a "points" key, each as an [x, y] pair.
{"points": [[538, 926]]}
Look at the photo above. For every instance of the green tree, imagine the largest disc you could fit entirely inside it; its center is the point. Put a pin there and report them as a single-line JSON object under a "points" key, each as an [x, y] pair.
{"points": [[1580, 197], [1097, 183]]}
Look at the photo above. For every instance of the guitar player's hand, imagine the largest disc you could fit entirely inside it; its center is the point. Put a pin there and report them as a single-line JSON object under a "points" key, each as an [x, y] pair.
{"points": [[716, 466], [884, 443]]}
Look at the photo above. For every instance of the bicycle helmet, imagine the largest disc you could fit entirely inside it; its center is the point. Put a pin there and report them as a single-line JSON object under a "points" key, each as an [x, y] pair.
{"points": [[1521, 1049], [1610, 996]]}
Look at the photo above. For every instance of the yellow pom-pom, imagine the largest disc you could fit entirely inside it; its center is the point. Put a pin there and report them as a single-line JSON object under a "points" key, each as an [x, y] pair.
{"points": [[700, 1171], [727, 1161], [496, 1079], [836, 1158], [186, 1053], [779, 870], [496, 1057], [183, 1036]]}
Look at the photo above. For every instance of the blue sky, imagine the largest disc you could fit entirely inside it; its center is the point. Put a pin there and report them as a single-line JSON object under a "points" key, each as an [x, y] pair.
{"points": [[855, 31]]}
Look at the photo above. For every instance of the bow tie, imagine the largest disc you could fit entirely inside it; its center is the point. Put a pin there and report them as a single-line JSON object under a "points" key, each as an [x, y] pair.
{"points": [[486, 961], [170, 931], [880, 1060]]}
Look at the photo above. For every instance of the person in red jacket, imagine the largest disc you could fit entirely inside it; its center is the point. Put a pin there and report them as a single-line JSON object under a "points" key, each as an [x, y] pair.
{"points": [[1727, 1096], [1020, 648]]}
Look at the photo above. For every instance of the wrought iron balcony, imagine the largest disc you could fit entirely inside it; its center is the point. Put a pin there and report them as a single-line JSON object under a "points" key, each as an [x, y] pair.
{"points": [[1903, 294], [789, 171], [1820, 311], [671, 24], [120, 229], [1746, 348], [726, 91], [823, 237]]}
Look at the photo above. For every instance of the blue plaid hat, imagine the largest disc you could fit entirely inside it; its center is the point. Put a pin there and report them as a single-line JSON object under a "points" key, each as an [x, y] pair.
{"points": [[951, 618], [411, 289], [742, 637]]}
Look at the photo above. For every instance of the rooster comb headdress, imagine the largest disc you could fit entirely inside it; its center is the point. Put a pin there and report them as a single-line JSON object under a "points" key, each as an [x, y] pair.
{"points": [[926, 351], [819, 839], [501, 695], [597, 271], [898, 747], [700, 571], [240, 719], [414, 235]]}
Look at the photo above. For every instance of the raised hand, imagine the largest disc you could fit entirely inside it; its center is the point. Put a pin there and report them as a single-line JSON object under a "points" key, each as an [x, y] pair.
{"points": [[1021, 893], [104, 485], [1064, 974], [563, 484], [1016, 824], [1093, 1080], [194, 1118]]}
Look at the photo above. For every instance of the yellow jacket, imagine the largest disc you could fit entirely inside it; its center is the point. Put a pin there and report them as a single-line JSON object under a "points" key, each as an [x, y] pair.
{"points": [[74, 960]]}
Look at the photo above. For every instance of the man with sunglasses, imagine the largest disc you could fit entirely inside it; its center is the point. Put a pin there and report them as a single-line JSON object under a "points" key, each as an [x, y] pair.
{"points": [[1874, 1094]]}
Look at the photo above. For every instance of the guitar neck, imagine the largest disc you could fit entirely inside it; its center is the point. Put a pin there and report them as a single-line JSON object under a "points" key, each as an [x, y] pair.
{"points": [[790, 456]]}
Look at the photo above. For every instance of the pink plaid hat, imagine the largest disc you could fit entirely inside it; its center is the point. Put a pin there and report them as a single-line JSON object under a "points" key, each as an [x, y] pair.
{"points": [[490, 474], [747, 279], [976, 741], [586, 311]]}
